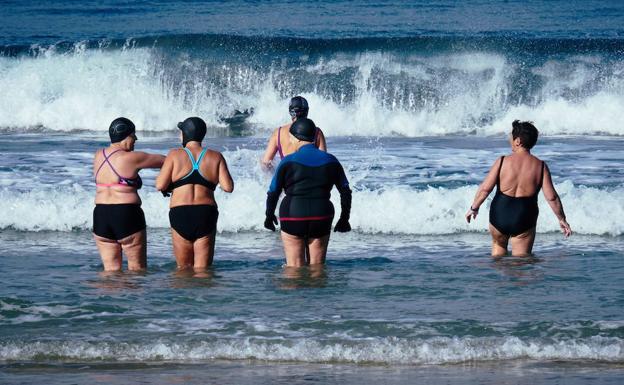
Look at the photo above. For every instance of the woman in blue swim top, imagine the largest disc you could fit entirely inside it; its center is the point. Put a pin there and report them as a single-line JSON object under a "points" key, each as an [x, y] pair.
{"points": [[518, 179], [118, 221], [191, 174], [307, 176], [279, 143]]}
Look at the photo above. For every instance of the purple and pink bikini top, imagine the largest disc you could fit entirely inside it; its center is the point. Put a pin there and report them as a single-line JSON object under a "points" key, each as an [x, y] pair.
{"points": [[130, 182], [279, 144]]}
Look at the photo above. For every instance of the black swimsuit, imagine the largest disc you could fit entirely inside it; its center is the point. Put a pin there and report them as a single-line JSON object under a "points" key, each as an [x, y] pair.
{"points": [[194, 221], [514, 215]]}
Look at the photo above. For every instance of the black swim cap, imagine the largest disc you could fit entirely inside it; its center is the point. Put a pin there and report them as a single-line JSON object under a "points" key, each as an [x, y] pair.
{"points": [[298, 107], [193, 129], [120, 129], [303, 129]]}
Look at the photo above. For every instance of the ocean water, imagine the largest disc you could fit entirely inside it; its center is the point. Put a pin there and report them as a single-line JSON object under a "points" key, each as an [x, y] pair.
{"points": [[415, 99]]}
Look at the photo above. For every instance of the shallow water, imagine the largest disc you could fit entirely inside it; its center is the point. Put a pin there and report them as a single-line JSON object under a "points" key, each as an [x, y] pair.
{"points": [[415, 99]]}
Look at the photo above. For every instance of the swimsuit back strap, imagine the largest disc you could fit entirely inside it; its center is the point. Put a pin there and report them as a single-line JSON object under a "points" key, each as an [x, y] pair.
{"points": [[190, 155], [541, 182], [500, 166], [194, 163], [201, 156], [279, 144], [106, 160]]}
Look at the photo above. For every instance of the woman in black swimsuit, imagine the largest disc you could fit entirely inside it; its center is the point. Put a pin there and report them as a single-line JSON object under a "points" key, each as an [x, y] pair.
{"points": [[191, 174], [518, 178]]}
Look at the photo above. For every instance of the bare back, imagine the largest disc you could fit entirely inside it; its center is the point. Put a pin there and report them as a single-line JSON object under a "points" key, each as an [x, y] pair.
{"points": [[283, 140], [280, 139], [520, 175], [178, 164], [108, 191]]}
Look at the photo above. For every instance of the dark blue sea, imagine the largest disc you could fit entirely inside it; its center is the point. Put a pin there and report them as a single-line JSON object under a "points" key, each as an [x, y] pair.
{"points": [[416, 100]]}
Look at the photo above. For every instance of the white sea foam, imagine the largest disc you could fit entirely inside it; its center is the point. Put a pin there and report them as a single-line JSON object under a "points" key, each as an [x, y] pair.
{"points": [[86, 89], [385, 95], [390, 350], [33, 313], [391, 210]]}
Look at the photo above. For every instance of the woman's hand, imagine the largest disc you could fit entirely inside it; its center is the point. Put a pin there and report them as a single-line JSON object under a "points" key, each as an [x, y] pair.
{"points": [[565, 227], [471, 214]]}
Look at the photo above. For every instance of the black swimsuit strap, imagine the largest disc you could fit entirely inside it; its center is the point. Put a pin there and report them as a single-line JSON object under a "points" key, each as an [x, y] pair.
{"points": [[500, 166]]}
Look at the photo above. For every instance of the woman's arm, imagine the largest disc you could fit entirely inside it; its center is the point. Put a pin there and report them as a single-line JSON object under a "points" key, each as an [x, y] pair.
{"points": [[554, 202], [225, 179], [342, 184], [322, 145], [267, 159], [484, 190], [146, 160], [163, 180]]}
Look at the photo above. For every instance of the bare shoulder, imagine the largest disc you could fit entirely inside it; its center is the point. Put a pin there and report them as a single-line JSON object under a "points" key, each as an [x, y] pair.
{"points": [[175, 152], [284, 127], [213, 154], [535, 158], [135, 154]]}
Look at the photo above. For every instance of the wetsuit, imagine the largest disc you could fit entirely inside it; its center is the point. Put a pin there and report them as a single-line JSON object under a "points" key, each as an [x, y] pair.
{"points": [[307, 176], [117, 221], [194, 221], [514, 215]]}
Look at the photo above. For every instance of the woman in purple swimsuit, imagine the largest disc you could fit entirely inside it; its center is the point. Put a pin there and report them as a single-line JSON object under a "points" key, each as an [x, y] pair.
{"points": [[118, 221], [279, 141]]}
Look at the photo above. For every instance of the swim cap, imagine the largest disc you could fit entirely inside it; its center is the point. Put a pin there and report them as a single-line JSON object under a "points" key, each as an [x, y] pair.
{"points": [[120, 129], [298, 107], [303, 129], [193, 129]]}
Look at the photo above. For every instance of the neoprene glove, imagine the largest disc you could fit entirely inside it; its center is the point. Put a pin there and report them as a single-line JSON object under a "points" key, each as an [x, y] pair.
{"points": [[270, 221], [342, 226]]}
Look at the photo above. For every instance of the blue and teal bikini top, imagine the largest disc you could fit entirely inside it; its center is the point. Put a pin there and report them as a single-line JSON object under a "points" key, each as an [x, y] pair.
{"points": [[194, 176]]}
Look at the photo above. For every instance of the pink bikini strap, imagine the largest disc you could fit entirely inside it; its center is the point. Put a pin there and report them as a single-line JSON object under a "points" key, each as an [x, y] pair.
{"points": [[107, 161], [279, 144]]}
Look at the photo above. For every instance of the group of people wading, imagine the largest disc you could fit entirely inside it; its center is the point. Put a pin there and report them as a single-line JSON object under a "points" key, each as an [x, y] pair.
{"points": [[306, 173]]}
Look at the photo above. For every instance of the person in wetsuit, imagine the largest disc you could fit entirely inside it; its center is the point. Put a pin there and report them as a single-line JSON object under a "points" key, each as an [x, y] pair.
{"points": [[191, 174], [118, 220], [306, 213], [279, 142], [518, 179]]}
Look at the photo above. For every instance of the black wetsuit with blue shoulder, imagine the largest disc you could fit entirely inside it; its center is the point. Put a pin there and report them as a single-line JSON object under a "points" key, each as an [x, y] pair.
{"points": [[514, 215], [307, 177], [194, 221]]}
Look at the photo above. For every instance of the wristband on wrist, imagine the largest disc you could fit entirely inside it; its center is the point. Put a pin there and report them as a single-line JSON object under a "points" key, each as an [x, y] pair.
{"points": [[474, 210]]}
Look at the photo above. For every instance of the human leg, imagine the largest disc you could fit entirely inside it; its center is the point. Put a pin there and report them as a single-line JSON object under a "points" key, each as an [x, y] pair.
{"points": [[499, 242], [317, 250], [110, 252], [134, 247], [203, 250], [294, 249], [183, 250], [522, 244]]}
